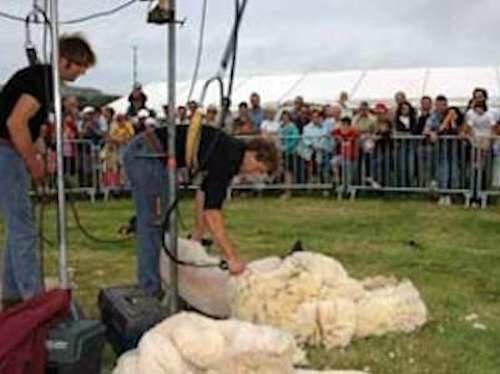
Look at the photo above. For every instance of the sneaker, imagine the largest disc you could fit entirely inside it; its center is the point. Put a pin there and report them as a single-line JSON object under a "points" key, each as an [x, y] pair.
{"points": [[448, 201], [441, 200], [285, 195], [374, 183]]}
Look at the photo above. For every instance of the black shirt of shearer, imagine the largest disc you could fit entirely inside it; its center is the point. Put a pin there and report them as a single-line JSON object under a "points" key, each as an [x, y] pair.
{"points": [[35, 81], [219, 163]]}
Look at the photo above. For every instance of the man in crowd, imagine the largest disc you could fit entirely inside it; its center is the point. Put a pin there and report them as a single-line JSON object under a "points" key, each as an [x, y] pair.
{"points": [[192, 108], [25, 102], [424, 114], [137, 100], [435, 120], [255, 113], [363, 121], [182, 115], [91, 125], [220, 157], [303, 118], [211, 116], [298, 103]]}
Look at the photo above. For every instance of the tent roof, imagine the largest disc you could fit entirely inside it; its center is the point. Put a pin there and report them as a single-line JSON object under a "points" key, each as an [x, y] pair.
{"points": [[323, 87]]}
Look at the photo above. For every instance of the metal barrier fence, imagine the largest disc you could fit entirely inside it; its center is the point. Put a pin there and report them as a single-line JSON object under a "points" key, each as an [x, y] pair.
{"points": [[81, 168], [447, 165], [414, 164], [487, 167]]}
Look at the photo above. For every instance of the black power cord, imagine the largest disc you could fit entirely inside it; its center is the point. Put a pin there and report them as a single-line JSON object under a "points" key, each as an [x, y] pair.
{"points": [[231, 51], [99, 14], [89, 17]]}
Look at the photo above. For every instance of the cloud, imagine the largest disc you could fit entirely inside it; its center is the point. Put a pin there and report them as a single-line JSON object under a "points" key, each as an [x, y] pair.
{"points": [[278, 36]]}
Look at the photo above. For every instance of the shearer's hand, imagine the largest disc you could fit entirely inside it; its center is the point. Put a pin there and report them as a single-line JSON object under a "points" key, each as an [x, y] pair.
{"points": [[37, 169], [235, 266]]}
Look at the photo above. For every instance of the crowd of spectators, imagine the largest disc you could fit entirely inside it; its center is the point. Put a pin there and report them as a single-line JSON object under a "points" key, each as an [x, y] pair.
{"points": [[340, 139], [322, 141]]}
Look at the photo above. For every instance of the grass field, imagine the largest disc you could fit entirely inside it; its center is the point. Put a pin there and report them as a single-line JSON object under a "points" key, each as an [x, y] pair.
{"points": [[456, 267]]}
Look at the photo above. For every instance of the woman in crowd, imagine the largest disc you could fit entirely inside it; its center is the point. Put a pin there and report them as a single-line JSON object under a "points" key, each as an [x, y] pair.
{"points": [[120, 133], [405, 123], [405, 119], [289, 137], [448, 152], [244, 126], [70, 134], [269, 126]]}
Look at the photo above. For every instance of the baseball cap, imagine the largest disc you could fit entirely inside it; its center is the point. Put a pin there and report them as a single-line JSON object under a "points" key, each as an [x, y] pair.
{"points": [[381, 108], [88, 109], [212, 108], [143, 113], [151, 122]]}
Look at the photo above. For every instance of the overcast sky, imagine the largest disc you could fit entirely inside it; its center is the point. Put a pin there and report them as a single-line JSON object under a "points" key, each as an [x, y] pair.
{"points": [[278, 36]]}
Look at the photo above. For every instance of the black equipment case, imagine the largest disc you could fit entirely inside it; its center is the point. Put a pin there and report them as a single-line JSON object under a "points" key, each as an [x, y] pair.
{"points": [[75, 347], [128, 312]]}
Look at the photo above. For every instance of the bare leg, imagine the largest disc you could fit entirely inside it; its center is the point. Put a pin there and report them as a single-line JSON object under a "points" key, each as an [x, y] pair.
{"points": [[200, 227]]}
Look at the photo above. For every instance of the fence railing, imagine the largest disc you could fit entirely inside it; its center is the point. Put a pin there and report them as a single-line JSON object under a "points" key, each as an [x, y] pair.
{"points": [[81, 168], [449, 165], [445, 165]]}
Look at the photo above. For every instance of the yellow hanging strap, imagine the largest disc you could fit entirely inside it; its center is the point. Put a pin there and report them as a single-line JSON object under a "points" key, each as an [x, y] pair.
{"points": [[193, 140]]}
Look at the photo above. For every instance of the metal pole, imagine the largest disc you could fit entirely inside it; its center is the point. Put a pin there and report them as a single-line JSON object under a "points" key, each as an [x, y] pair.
{"points": [[134, 64], [172, 167], [61, 206]]}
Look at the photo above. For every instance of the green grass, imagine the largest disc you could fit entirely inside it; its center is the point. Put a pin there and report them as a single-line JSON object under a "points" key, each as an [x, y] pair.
{"points": [[457, 269]]}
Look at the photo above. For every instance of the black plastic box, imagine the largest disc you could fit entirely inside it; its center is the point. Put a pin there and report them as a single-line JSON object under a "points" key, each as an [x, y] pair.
{"points": [[128, 312], [75, 347]]}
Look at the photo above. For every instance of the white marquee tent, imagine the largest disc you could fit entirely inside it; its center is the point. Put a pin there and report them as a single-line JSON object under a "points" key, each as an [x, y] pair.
{"points": [[324, 87]]}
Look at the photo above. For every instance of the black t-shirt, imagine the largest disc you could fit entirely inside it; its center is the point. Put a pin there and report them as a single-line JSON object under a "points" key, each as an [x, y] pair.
{"points": [[420, 126], [35, 81], [219, 161]]}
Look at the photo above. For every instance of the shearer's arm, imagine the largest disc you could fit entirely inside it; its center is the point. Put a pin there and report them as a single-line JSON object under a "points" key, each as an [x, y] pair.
{"points": [[215, 223]]}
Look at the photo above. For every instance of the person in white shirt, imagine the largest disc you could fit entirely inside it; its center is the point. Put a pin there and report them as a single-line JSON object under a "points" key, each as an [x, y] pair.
{"points": [[269, 126], [345, 105], [480, 120]]}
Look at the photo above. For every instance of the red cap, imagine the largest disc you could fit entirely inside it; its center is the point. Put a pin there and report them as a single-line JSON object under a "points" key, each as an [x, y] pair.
{"points": [[381, 108]]}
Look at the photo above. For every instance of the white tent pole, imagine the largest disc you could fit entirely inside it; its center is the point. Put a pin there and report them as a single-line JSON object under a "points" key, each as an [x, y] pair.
{"points": [[61, 202]]}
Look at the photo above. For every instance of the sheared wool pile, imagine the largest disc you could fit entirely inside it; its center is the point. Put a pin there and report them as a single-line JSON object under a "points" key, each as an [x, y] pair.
{"points": [[312, 296], [188, 343], [308, 294]]}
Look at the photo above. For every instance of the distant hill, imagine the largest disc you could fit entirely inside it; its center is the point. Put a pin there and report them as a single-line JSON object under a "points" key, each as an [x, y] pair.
{"points": [[87, 95]]}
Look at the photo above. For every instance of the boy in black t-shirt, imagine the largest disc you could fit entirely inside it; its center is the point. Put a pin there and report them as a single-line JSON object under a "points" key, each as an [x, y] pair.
{"points": [[25, 102], [220, 158]]}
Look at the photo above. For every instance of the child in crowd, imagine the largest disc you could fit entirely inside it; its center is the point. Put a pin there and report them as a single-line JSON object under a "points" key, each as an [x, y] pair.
{"points": [[346, 150]]}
